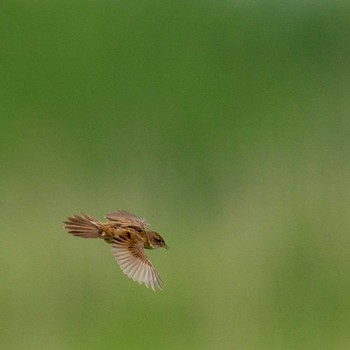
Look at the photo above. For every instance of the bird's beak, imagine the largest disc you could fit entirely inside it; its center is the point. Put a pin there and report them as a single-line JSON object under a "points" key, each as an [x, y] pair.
{"points": [[166, 247]]}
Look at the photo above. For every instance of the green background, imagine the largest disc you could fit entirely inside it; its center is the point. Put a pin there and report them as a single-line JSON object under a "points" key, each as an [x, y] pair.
{"points": [[225, 123]]}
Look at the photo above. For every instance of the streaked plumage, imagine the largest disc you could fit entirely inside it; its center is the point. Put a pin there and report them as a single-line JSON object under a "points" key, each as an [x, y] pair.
{"points": [[129, 236]]}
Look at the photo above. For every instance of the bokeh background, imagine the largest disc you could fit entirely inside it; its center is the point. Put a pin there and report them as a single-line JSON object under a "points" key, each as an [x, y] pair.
{"points": [[225, 123]]}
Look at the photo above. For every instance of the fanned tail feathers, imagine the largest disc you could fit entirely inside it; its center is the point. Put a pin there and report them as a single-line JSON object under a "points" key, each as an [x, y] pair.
{"points": [[83, 226]]}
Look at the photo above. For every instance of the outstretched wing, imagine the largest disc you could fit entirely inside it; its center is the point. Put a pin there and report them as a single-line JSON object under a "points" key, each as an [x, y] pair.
{"points": [[132, 259], [125, 218]]}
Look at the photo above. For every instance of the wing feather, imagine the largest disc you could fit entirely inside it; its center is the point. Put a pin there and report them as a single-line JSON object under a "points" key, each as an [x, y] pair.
{"points": [[133, 261], [125, 218]]}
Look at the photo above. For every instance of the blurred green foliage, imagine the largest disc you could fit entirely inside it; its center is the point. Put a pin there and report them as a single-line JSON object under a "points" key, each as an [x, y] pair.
{"points": [[225, 124]]}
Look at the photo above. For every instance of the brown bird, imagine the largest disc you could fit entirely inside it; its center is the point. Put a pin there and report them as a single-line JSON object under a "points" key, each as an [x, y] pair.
{"points": [[129, 236]]}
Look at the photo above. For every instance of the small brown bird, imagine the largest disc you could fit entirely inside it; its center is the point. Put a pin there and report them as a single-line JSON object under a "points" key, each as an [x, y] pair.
{"points": [[129, 236]]}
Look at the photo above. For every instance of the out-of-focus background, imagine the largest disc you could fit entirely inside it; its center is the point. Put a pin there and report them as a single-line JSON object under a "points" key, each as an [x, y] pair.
{"points": [[225, 123]]}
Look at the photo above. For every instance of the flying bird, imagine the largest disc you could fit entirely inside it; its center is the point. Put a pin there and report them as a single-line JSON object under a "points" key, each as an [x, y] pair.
{"points": [[129, 236]]}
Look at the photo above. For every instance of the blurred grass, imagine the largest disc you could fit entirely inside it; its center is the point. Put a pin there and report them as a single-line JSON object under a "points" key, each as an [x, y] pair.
{"points": [[225, 124]]}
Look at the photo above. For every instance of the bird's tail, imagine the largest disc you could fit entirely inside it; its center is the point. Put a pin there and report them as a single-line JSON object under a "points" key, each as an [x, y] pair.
{"points": [[83, 226]]}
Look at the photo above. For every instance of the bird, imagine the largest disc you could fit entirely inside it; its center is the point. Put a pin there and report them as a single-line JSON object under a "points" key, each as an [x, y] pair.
{"points": [[129, 236]]}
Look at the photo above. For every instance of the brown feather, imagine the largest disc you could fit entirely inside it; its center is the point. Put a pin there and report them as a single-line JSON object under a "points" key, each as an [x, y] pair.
{"points": [[125, 218], [132, 259], [83, 226]]}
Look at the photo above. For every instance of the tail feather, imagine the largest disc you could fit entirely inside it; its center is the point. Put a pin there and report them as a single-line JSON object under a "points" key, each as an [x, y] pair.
{"points": [[83, 226]]}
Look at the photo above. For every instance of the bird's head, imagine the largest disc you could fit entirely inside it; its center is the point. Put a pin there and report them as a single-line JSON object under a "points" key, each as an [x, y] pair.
{"points": [[155, 240]]}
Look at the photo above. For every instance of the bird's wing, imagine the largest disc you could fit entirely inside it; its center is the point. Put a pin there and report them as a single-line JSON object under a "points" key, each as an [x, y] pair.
{"points": [[132, 259], [127, 219]]}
